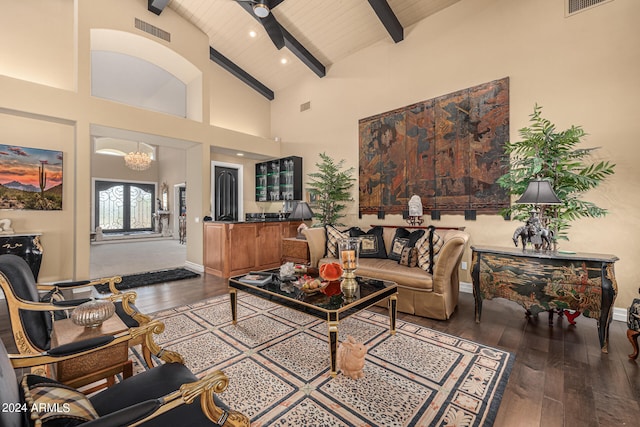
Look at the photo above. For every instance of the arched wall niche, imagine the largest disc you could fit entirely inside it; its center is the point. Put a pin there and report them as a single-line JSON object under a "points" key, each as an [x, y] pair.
{"points": [[176, 87]]}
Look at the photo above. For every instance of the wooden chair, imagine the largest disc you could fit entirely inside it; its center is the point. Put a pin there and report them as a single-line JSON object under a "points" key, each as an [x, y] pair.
{"points": [[32, 321], [159, 397]]}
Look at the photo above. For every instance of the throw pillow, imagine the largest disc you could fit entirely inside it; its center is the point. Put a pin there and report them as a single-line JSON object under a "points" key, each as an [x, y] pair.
{"points": [[333, 237], [409, 257], [403, 238], [428, 248], [55, 404], [371, 242]]}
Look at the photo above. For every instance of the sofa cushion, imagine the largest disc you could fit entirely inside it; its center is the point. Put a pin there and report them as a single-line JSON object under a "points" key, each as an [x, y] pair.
{"points": [[371, 242], [403, 238], [428, 248], [388, 269], [409, 257], [333, 237]]}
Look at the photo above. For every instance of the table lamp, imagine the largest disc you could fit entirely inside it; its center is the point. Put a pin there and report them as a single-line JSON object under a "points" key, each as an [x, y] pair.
{"points": [[539, 192], [301, 210]]}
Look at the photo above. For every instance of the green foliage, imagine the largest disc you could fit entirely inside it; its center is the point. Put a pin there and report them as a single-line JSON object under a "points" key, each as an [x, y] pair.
{"points": [[552, 155], [330, 187]]}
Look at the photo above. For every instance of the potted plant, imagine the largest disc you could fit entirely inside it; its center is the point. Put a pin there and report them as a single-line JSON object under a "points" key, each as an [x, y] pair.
{"points": [[330, 187], [552, 155]]}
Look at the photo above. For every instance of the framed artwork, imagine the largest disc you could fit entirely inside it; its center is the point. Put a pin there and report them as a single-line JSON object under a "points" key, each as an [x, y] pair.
{"points": [[448, 150], [30, 178]]}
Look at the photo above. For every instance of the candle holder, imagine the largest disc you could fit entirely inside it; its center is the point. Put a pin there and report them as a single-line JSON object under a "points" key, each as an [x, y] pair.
{"points": [[349, 251]]}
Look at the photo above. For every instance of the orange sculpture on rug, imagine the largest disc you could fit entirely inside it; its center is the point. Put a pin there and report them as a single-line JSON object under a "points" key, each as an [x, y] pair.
{"points": [[351, 358]]}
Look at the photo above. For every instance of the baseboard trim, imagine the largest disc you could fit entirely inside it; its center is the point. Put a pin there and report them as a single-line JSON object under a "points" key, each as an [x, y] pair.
{"points": [[619, 314], [199, 268]]}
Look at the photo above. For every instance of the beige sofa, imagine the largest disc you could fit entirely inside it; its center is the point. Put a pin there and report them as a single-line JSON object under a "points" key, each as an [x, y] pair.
{"points": [[419, 292]]}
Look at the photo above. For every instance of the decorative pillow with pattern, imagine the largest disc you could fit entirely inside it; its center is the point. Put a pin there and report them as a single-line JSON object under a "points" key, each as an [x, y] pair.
{"points": [[428, 248], [333, 237], [56, 404], [403, 238], [409, 257], [371, 242]]}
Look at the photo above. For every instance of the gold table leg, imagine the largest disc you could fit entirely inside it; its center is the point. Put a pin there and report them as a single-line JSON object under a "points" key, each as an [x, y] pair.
{"points": [[333, 346], [393, 311], [233, 298]]}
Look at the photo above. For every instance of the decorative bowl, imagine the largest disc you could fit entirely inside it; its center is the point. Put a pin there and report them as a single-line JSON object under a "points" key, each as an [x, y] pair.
{"points": [[92, 313]]}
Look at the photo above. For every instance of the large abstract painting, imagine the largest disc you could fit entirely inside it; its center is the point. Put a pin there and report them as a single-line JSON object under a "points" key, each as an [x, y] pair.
{"points": [[30, 178], [448, 150]]}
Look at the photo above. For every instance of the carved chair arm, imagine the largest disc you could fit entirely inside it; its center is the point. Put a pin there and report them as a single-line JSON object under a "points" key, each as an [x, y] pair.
{"points": [[66, 352], [213, 383], [112, 281]]}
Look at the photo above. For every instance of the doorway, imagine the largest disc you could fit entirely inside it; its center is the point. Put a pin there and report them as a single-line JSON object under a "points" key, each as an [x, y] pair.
{"points": [[226, 189]]}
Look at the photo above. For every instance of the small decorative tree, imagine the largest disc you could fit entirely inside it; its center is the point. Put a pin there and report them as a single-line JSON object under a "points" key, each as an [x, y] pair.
{"points": [[548, 154], [330, 186]]}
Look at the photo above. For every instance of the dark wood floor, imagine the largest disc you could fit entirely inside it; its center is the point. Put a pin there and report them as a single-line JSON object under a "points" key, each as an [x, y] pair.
{"points": [[560, 377]]}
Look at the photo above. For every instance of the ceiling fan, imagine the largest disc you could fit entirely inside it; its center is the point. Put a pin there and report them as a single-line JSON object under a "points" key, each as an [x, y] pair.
{"points": [[261, 9]]}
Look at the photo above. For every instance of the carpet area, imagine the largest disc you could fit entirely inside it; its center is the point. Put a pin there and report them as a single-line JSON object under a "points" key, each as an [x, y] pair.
{"points": [[150, 278], [277, 361]]}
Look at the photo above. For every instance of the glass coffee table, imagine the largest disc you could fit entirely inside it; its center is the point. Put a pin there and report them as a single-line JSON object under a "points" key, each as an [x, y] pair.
{"points": [[329, 305]]}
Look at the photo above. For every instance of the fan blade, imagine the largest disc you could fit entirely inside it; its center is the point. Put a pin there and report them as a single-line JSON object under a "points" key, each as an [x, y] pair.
{"points": [[272, 27]]}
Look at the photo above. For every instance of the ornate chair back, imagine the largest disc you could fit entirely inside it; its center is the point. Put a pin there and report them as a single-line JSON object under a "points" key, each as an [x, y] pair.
{"points": [[17, 282]]}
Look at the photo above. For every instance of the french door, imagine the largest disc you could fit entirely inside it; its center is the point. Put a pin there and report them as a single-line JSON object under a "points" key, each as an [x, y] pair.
{"points": [[124, 206]]}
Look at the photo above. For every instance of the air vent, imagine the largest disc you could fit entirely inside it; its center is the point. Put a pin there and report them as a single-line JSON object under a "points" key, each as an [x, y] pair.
{"points": [[306, 106], [575, 6], [153, 30]]}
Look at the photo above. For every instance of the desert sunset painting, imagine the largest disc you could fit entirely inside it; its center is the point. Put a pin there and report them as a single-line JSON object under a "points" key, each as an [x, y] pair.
{"points": [[30, 178]]}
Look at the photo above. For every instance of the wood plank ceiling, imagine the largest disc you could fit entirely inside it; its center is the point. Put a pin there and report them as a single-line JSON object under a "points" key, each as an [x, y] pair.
{"points": [[330, 30]]}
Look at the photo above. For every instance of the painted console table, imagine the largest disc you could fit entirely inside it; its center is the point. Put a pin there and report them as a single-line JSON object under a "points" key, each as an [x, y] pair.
{"points": [[26, 246], [547, 281]]}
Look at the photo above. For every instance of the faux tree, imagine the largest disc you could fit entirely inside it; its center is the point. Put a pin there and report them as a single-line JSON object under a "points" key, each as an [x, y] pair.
{"points": [[546, 153], [330, 187]]}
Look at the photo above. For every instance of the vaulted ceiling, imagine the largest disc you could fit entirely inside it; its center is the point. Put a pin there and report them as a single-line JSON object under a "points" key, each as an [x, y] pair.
{"points": [[315, 33]]}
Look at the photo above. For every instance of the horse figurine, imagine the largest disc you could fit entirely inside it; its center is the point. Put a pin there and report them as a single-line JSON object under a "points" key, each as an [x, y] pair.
{"points": [[540, 237], [522, 232], [546, 236]]}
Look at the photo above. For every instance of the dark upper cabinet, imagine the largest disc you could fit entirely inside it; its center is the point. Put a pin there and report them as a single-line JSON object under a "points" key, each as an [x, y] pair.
{"points": [[279, 179]]}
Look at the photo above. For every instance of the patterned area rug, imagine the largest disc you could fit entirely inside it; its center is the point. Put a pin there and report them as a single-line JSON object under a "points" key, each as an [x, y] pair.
{"points": [[150, 278], [278, 364]]}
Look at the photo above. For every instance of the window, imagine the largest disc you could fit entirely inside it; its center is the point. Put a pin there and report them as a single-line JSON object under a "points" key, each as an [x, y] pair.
{"points": [[124, 206]]}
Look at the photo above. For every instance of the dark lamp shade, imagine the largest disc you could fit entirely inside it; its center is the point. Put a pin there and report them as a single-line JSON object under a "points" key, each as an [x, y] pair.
{"points": [[539, 192], [301, 211]]}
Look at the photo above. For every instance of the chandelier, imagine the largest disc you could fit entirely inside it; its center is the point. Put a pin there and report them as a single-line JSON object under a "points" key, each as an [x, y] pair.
{"points": [[137, 161]]}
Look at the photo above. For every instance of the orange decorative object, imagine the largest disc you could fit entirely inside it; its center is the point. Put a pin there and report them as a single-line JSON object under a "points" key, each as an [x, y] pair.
{"points": [[333, 288], [331, 271]]}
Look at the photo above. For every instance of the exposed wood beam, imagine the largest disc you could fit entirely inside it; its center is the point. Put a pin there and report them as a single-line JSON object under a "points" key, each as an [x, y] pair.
{"points": [[303, 54], [293, 44], [247, 78], [388, 19], [157, 6]]}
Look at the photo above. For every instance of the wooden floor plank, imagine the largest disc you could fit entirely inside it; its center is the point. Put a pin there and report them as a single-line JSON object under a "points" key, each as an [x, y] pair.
{"points": [[559, 377]]}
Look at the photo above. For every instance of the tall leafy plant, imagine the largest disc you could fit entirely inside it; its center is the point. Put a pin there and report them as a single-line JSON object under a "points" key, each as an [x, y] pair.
{"points": [[330, 186], [544, 152]]}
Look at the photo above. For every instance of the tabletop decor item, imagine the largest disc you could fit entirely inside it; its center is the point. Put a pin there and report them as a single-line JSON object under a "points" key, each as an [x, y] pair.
{"points": [[92, 314], [331, 271], [349, 249], [287, 270]]}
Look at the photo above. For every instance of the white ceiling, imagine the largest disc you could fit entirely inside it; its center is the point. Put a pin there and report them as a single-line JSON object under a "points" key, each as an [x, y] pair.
{"points": [[329, 29]]}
